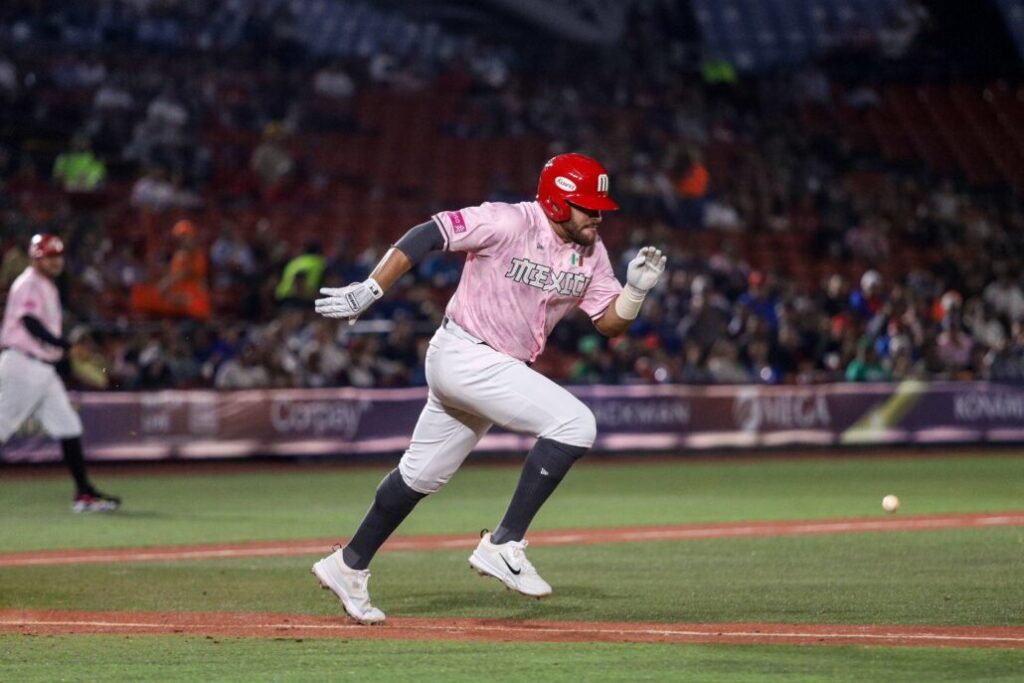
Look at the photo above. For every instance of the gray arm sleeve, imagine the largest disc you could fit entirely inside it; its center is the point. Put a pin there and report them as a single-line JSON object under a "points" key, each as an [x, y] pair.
{"points": [[419, 240]]}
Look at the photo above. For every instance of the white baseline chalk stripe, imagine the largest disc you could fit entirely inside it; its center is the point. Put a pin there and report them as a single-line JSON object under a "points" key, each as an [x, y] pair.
{"points": [[711, 632], [540, 539]]}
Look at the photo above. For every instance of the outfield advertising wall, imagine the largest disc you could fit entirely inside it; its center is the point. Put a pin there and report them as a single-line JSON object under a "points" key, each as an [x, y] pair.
{"points": [[338, 422]]}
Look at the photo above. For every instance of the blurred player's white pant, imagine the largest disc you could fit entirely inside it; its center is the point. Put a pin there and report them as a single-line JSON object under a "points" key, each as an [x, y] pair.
{"points": [[31, 387], [472, 386]]}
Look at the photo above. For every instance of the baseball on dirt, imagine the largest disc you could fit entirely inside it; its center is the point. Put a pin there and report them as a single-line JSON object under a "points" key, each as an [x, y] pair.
{"points": [[890, 503]]}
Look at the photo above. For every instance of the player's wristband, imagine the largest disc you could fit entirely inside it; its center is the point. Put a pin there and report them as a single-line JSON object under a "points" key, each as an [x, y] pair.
{"points": [[375, 289], [628, 304]]}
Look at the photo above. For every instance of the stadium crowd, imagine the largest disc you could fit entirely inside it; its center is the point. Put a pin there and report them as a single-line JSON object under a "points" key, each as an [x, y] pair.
{"points": [[789, 252]]}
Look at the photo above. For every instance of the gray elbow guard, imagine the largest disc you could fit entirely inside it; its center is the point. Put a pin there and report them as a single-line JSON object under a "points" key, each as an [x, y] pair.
{"points": [[419, 240]]}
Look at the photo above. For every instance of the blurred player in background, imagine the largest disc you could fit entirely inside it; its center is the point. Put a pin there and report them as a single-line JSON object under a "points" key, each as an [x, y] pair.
{"points": [[33, 348], [527, 265]]}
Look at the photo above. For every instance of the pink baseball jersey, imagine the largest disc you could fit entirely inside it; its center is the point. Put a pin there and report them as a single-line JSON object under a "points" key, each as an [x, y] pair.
{"points": [[32, 293], [520, 279]]}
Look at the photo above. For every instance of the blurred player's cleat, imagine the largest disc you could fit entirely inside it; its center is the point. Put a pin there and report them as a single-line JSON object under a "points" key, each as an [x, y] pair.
{"points": [[350, 587], [507, 563], [94, 501]]}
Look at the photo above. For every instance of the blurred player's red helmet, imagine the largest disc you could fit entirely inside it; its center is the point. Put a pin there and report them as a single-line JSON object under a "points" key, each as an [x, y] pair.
{"points": [[573, 179], [45, 245]]}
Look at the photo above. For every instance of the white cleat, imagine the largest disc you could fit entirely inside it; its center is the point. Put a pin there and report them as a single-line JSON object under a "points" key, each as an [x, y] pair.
{"points": [[507, 563], [350, 587]]}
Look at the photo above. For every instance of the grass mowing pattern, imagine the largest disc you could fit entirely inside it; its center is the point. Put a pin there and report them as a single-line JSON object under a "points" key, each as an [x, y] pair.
{"points": [[942, 577], [155, 658], [965, 577], [162, 510]]}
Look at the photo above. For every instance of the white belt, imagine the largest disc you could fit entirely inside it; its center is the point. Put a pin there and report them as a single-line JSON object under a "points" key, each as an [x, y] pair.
{"points": [[455, 329]]}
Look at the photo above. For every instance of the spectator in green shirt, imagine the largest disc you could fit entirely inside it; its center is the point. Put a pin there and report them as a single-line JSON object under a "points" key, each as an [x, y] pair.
{"points": [[303, 275], [14, 262], [78, 170], [867, 367]]}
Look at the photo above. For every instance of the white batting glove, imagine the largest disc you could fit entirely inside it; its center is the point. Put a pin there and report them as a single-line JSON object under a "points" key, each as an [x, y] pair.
{"points": [[642, 275], [348, 302], [645, 269]]}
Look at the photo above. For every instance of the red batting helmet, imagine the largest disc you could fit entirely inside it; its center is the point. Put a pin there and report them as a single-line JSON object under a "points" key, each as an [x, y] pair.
{"points": [[43, 245], [573, 179]]}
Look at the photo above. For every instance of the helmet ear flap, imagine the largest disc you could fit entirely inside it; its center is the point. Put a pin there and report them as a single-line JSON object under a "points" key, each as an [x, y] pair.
{"points": [[559, 210], [554, 206]]}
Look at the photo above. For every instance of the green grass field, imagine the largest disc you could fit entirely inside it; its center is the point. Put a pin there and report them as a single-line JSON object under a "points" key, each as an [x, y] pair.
{"points": [[151, 658], [954, 577]]}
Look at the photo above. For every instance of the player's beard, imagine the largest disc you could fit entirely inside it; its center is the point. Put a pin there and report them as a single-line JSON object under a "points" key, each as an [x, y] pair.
{"points": [[584, 234]]}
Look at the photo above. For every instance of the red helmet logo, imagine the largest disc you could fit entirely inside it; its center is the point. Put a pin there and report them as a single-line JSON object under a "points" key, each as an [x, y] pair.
{"points": [[573, 179], [565, 184], [45, 245]]}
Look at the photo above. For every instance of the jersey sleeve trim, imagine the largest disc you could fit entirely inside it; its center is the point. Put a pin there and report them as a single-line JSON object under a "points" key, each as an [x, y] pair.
{"points": [[444, 233]]}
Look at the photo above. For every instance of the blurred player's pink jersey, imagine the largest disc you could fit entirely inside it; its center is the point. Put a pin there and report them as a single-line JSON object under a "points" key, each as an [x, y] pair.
{"points": [[32, 294], [520, 278]]}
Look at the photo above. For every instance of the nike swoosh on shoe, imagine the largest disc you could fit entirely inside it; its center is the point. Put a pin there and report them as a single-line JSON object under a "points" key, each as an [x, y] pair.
{"points": [[514, 571]]}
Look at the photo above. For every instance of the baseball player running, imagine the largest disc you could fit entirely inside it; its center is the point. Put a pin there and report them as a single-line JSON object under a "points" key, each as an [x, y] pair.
{"points": [[527, 265], [32, 348]]}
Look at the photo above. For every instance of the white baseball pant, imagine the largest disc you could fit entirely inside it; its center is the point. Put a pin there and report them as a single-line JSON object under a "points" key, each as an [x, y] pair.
{"points": [[472, 387], [31, 387]]}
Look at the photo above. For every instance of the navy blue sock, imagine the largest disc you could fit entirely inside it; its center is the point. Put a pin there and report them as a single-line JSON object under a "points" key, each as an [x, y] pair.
{"points": [[75, 461], [392, 504], [546, 465]]}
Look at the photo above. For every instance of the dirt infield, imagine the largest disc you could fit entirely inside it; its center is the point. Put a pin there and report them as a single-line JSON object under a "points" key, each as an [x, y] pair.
{"points": [[539, 538], [293, 626], [297, 626]]}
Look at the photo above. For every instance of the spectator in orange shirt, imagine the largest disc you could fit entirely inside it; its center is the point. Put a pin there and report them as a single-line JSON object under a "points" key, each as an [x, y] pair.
{"points": [[691, 189], [186, 287], [695, 179], [183, 292]]}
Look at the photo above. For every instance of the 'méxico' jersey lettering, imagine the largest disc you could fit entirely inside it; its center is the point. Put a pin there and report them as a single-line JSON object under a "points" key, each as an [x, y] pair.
{"points": [[540, 276], [548, 277]]}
